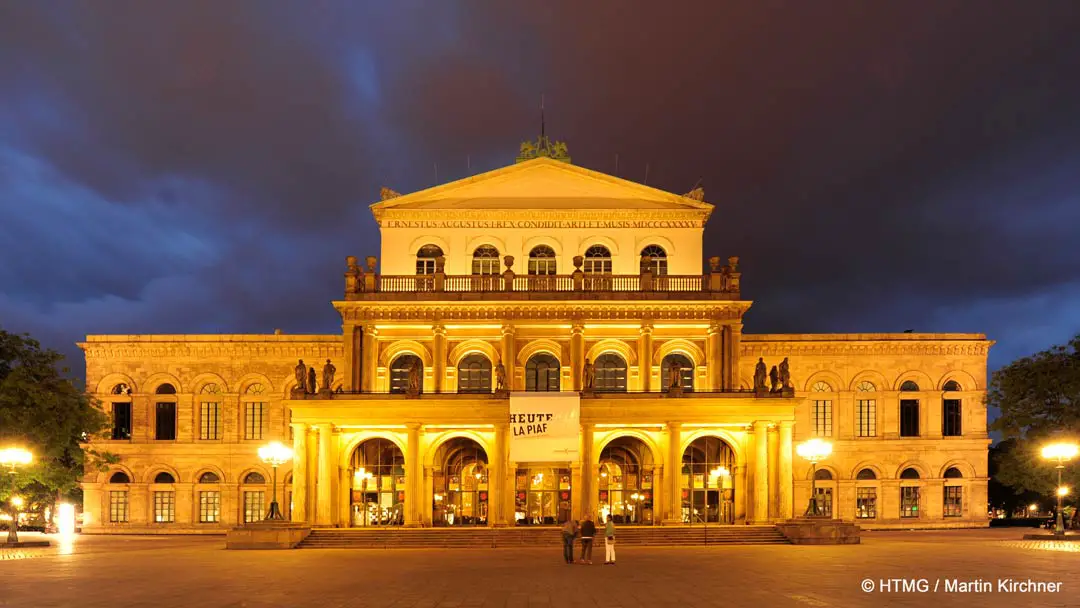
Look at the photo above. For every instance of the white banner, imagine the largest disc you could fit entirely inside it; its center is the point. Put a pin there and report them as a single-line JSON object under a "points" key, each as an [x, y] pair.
{"points": [[544, 427]]}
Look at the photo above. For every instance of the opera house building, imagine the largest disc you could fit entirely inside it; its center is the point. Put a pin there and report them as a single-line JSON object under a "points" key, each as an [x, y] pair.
{"points": [[531, 344]]}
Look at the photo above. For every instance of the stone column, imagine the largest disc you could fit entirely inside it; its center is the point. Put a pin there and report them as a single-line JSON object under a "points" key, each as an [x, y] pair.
{"points": [[734, 340], [429, 495], [760, 512], [672, 497], [575, 491], [349, 338], [509, 504], [369, 359], [774, 455], [644, 355], [324, 507], [742, 495], [413, 473], [439, 357], [300, 472], [509, 354], [577, 354], [343, 498], [715, 356], [497, 476], [783, 474], [588, 470]]}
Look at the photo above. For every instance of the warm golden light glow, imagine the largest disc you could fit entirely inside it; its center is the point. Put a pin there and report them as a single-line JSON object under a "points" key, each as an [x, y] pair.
{"points": [[1060, 451], [1063, 491], [814, 450], [275, 453], [17, 501], [10, 457], [1033, 507], [65, 519]]}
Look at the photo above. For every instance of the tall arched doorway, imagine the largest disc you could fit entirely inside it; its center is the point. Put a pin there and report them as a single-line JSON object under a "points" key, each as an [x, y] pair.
{"points": [[377, 496], [708, 488], [460, 496], [625, 488], [541, 495]]}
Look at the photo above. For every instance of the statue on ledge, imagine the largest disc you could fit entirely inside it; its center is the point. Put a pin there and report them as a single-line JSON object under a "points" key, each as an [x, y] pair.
{"points": [[759, 375], [774, 380], [328, 372], [413, 389], [500, 378], [675, 380], [588, 376], [785, 375], [697, 194], [387, 194], [311, 380], [301, 377]]}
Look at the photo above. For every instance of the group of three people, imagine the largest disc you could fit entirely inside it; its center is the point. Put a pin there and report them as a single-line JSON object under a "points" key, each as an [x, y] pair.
{"points": [[587, 532]]}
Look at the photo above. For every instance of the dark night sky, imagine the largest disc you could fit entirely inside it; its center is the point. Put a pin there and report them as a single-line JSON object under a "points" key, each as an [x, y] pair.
{"points": [[186, 167]]}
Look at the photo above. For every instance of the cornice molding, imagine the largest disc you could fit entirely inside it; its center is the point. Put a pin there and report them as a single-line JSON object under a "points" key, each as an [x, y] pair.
{"points": [[551, 218], [784, 349], [554, 311], [213, 351]]}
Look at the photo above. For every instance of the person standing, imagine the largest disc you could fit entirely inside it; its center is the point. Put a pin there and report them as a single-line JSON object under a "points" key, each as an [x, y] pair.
{"points": [[588, 532], [569, 531], [609, 542]]}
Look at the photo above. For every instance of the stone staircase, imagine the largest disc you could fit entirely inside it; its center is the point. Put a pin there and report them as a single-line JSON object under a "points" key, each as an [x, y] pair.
{"points": [[492, 538]]}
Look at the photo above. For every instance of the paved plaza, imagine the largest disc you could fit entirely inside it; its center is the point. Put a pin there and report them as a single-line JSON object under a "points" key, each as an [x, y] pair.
{"points": [[191, 571]]}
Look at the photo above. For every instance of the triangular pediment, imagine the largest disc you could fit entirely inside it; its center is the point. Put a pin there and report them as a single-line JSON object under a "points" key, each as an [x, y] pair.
{"points": [[538, 184]]}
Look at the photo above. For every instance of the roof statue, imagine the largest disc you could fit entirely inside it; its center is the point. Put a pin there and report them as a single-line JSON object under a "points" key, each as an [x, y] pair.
{"points": [[697, 194], [543, 147], [387, 193]]}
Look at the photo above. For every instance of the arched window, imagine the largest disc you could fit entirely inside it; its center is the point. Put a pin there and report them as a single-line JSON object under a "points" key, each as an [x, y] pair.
{"points": [[953, 473], [542, 260], [209, 477], [165, 414], [474, 374], [866, 475], [909, 473], [378, 484], [823, 475], [542, 373], [164, 477], [657, 259], [121, 389], [821, 387], [460, 484], [952, 386], [425, 258], [686, 372], [626, 482], [166, 389], [708, 482], [254, 478], [610, 374], [909, 386], [866, 386], [485, 260], [119, 477], [597, 260], [399, 373]]}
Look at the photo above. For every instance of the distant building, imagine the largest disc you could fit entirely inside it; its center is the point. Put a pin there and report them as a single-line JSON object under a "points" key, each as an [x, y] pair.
{"points": [[538, 267]]}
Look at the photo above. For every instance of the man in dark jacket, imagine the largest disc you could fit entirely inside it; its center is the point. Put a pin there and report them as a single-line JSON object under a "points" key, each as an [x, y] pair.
{"points": [[569, 531], [588, 531]]}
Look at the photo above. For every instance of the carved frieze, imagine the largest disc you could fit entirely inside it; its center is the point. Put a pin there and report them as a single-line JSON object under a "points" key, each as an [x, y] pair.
{"points": [[546, 311], [795, 349], [179, 350], [553, 219]]}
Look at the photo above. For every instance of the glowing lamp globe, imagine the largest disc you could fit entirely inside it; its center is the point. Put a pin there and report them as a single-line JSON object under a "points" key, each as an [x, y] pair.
{"points": [[814, 450], [10, 457], [1063, 491], [1060, 451], [275, 453], [17, 501]]}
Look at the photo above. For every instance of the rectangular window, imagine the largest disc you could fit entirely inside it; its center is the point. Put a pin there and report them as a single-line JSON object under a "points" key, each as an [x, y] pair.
{"points": [[823, 418], [165, 422], [909, 502], [254, 420], [164, 507], [121, 419], [954, 503], [866, 503], [253, 506], [209, 507], [867, 414], [824, 501], [209, 420], [909, 417], [118, 507], [951, 418]]}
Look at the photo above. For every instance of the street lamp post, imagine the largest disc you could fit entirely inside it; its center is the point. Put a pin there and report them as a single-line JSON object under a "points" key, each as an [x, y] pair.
{"points": [[13, 457], [275, 454], [1060, 452], [813, 450]]}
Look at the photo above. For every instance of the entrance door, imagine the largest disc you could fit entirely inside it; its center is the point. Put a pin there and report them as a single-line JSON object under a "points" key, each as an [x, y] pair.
{"points": [[625, 482], [542, 496], [461, 485], [377, 493], [708, 490]]}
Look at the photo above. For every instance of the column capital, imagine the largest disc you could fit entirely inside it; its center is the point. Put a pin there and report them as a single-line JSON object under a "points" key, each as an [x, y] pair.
{"points": [[589, 426], [438, 328], [646, 328], [787, 424], [674, 426], [413, 426], [298, 426], [761, 425], [370, 330], [323, 426], [508, 329], [577, 328]]}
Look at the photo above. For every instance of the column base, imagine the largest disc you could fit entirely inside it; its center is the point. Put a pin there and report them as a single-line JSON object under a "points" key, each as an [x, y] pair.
{"points": [[672, 522]]}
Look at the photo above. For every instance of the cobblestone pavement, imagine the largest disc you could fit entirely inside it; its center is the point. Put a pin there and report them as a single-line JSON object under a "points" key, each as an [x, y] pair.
{"points": [[187, 571]]}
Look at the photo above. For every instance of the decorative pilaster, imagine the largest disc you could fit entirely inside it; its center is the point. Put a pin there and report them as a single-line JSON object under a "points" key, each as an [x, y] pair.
{"points": [[300, 472], [734, 340], [351, 349], [588, 472], [784, 477], [760, 509], [497, 476], [577, 353], [413, 473], [715, 362], [672, 498], [343, 498], [644, 355], [439, 356], [774, 455], [369, 358], [509, 354], [324, 508]]}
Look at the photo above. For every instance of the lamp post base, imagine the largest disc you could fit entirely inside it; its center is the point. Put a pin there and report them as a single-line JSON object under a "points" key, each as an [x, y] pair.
{"points": [[812, 509], [274, 514]]}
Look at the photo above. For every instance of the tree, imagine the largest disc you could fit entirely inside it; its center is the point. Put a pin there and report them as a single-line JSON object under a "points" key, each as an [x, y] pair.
{"points": [[1039, 399], [42, 411]]}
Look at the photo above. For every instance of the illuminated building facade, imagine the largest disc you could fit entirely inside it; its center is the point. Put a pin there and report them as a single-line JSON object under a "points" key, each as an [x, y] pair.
{"points": [[509, 282]]}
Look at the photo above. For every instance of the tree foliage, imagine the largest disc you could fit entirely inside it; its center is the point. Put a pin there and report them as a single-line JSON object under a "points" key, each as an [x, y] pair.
{"points": [[43, 412], [1039, 399]]}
